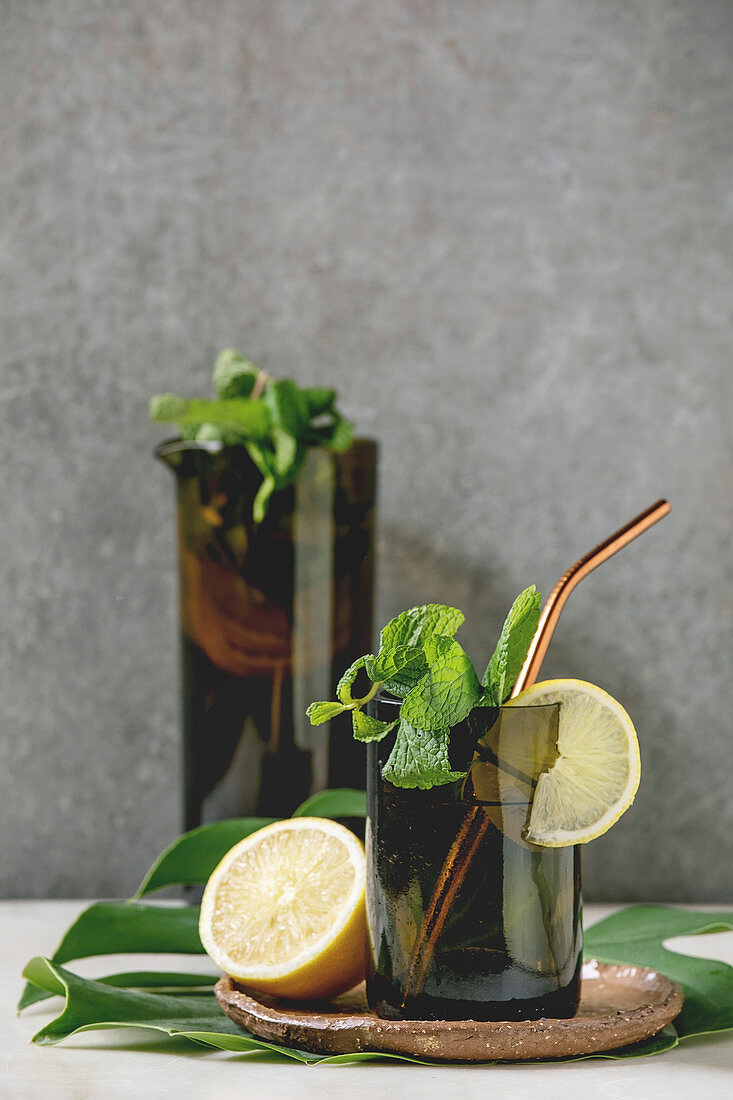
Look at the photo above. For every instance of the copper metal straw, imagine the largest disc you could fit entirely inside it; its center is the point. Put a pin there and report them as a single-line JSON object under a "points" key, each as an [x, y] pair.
{"points": [[477, 821]]}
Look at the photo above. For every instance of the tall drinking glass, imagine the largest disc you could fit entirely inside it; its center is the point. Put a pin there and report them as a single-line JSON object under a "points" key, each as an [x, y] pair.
{"points": [[510, 948], [271, 614]]}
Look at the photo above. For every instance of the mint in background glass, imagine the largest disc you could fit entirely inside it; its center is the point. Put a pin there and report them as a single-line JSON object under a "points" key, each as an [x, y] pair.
{"points": [[276, 421], [275, 518]]}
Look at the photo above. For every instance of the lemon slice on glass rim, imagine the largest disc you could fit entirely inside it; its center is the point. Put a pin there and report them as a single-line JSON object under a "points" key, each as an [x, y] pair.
{"points": [[284, 911], [596, 775]]}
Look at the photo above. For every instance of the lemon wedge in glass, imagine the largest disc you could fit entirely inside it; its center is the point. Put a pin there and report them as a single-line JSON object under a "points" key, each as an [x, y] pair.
{"points": [[596, 773], [284, 911]]}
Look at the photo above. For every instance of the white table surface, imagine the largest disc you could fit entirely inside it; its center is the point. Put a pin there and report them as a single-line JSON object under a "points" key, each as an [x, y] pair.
{"points": [[125, 1063]]}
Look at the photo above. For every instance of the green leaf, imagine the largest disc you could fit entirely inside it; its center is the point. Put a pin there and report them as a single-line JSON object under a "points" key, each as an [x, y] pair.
{"points": [[367, 728], [208, 433], [164, 980], [114, 927], [402, 684], [339, 802], [192, 857], [165, 408], [343, 687], [401, 663], [262, 458], [249, 418], [336, 436], [262, 498], [234, 376], [414, 626], [341, 436], [636, 935], [288, 407], [323, 712], [128, 927], [286, 452], [419, 758], [449, 690], [91, 1005], [405, 663], [511, 649], [319, 400]]}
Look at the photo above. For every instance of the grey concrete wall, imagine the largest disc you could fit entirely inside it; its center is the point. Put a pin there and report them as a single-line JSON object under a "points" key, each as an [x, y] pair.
{"points": [[503, 230]]}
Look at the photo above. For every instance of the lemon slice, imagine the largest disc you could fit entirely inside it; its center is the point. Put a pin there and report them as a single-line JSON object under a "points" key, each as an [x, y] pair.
{"points": [[284, 911], [597, 770]]}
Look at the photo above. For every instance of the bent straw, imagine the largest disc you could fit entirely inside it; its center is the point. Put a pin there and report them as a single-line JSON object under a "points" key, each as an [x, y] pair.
{"points": [[477, 821], [559, 595]]}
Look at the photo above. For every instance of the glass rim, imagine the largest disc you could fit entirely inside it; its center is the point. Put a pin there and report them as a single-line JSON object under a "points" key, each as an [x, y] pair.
{"points": [[176, 444], [391, 700]]}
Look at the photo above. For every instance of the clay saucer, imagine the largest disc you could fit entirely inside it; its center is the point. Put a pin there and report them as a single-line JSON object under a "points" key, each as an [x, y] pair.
{"points": [[619, 1005]]}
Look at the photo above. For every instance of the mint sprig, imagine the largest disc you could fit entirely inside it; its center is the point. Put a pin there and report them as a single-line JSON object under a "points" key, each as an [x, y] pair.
{"points": [[420, 661], [511, 649], [275, 420], [367, 728], [414, 626], [404, 665], [420, 759], [448, 691]]}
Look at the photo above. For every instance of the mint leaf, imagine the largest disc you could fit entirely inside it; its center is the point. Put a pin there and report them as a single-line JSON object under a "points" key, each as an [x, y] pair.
{"points": [[400, 663], [287, 406], [323, 712], [448, 691], [286, 451], [262, 497], [341, 436], [165, 408], [282, 423], [249, 418], [319, 400], [261, 458], [264, 460], [367, 728], [288, 410], [414, 626], [390, 663], [343, 687], [208, 433], [420, 759], [402, 684], [234, 376], [511, 649]]}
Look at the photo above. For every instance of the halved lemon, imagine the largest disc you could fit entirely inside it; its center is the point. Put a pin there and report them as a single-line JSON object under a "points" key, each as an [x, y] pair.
{"points": [[284, 911], [597, 770]]}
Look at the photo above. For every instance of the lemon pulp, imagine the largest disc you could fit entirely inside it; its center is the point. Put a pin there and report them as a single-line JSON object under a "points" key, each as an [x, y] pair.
{"points": [[596, 773]]}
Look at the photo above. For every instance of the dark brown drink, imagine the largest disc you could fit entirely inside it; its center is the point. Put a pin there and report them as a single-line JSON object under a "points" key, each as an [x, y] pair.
{"points": [[271, 614], [511, 946]]}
